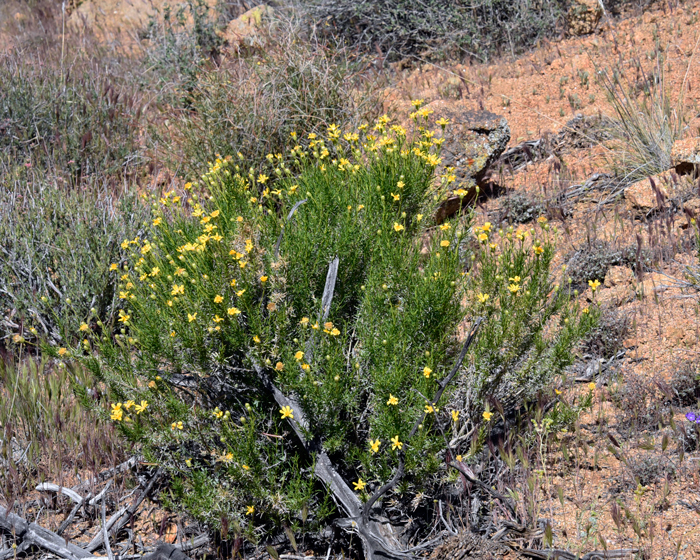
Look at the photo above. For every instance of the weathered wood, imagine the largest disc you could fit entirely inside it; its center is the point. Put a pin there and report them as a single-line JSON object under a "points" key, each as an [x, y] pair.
{"points": [[122, 517], [166, 552], [329, 288], [49, 487], [559, 554], [38, 536]]}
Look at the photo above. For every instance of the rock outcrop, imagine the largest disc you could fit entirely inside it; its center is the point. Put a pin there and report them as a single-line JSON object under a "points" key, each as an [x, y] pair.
{"points": [[656, 192], [244, 32], [583, 17], [685, 155], [474, 140]]}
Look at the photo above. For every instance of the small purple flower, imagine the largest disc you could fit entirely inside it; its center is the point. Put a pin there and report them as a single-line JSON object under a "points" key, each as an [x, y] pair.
{"points": [[692, 417]]}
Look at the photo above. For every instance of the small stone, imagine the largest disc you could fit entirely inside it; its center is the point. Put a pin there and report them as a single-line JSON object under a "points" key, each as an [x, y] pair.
{"points": [[618, 276], [652, 194], [685, 155], [692, 208], [583, 17], [244, 31]]}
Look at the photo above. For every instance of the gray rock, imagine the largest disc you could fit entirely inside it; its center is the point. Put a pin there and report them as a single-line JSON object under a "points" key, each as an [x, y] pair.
{"points": [[474, 140]]}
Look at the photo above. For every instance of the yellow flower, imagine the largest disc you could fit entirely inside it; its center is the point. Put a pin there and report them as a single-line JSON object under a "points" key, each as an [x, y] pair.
{"points": [[445, 227], [263, 279], [396, 197], [228, 458], [417, 103], [483, 237], [139, 408], [245, 467], [458, 458], [557, 391], [151, 384], [594, 284], [419, 217], [218, 299], [157, 222], [483, 298], [585, 310], [305, 367], [591, 386], [113, 266], [63, 351], [176, 426], [279, 366], [455, 415], [128, 404], [256, 339], [83, 327], [217, 319], [515, 279], [334, 332], [304, 321], [487, 415], [444, 243], [429, 409], [427, 371], [299, 355], [177, 290], [191, 317], [398, 227], [125, 244], [239, 293], [393, 401], [250, 510], [374, 446], [233, 311], [538, 249], [461, 193], [117, 412], [262, 178], [215, 214], [443, 122], [359, 485], [286, 412], [514, 288], [395, 443]]}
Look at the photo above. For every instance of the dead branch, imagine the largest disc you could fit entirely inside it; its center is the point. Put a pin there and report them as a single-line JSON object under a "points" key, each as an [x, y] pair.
{"points": [[35, 535], [49, 487], [122, 517], [166, 552], [559, 554]]}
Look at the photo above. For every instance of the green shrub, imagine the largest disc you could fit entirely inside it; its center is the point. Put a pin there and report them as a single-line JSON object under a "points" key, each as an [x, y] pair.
{"points": [[56, 248], [439, 28], [531, 325], [232, 280]]}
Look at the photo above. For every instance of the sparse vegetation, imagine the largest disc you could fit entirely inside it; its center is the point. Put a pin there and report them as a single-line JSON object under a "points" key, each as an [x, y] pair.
{"points": [[647, 123]]}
